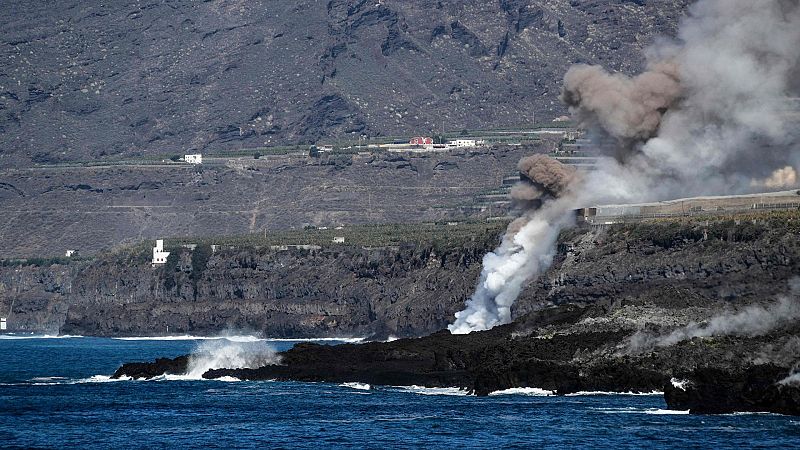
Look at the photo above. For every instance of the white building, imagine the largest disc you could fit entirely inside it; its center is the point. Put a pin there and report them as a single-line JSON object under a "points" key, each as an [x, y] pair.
{"points": [[338, 240], [159, 255], [465, 143], [69, 253], [3, 324], [193, 159]]}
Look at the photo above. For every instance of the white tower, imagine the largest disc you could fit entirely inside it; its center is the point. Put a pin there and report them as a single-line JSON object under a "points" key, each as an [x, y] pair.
{"points": [[159, 255]]}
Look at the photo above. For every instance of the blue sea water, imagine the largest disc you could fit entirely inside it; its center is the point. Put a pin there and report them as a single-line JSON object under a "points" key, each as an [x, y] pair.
{"points": [[55, 393]]}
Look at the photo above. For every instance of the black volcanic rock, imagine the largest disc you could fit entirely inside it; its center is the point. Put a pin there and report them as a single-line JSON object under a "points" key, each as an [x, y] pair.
{"points": [[160, 366], [411, 290], [551, 349], [481, 362], [710, 390]]}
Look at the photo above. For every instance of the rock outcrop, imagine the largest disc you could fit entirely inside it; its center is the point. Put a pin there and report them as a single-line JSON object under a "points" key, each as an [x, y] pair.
{"points": [[549, 350], [636, 276], [717, 391]]}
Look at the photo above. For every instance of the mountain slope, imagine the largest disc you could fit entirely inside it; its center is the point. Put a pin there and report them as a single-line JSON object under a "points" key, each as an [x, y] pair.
{"points": [[81, 80]]}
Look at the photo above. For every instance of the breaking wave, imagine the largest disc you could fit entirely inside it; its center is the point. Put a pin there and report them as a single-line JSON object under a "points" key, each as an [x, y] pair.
{"points": [[38, 336], [422, 390], [534, 392], [639, 394], [359, 386], [225, 354], [652, 411]]}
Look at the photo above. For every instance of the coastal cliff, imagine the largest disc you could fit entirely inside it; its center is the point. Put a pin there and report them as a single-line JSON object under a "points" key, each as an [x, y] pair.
{"points": [[666, 306], [272, 290], [656, 274]]}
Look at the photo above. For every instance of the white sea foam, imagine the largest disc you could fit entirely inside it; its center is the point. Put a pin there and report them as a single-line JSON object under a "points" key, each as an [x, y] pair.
{"points": [[651, 411], [228, 379], [359, 386], [40, 379], [667, 412], [38, 336], [234, 338], [679, 384], [586, 393], [433, 391], [535, 392], [99, 379]]}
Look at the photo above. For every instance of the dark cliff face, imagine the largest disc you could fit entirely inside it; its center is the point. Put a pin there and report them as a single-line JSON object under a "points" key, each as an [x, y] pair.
{"points": [[85, 80], [292, 293], [671, 264], [632, 277]]}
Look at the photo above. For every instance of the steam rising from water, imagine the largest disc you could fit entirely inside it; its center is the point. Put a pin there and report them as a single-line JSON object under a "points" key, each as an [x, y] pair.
{"points": [[707, 116], [528, 251]]}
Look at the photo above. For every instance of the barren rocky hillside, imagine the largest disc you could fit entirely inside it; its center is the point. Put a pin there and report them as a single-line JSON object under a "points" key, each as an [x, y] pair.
{"points": [[49, 210], [82, 80]]}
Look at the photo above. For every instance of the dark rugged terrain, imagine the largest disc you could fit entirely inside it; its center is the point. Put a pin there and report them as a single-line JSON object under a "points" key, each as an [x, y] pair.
{"points": [[621, 295], [94, 96], [558, 349], [659, 274], [49, 210], [85, 80], [336, 290]]}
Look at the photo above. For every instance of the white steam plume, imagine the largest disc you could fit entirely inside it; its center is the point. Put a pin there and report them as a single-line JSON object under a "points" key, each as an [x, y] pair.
{"points": [[528, 252], [708, 116], [791, 380], [751, 321]]}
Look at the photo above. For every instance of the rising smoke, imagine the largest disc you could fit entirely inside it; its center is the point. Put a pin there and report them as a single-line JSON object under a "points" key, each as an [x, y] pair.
{"points": [[792, 380], [754, 320], [707, 116]]}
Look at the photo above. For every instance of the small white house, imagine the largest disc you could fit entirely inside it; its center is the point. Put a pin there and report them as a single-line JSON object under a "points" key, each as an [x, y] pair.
{"points": [[338, 240], [3, 324], [159, 255], [69, 253], [193, 159], [465, 143]]}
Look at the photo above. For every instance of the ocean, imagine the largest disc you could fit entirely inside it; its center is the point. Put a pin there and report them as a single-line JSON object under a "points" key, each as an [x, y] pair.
{"points": [[55, 392]]}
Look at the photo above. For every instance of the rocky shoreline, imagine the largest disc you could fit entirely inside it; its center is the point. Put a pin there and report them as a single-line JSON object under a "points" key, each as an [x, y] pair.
{"points": [[546, 350]]}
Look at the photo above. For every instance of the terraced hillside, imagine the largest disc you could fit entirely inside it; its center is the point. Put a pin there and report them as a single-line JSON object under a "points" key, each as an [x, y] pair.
{"points": [[86, 79]]}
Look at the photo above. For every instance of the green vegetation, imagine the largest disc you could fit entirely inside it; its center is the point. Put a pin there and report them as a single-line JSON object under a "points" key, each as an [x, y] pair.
{"points": [[200, 256], [440, 236]]}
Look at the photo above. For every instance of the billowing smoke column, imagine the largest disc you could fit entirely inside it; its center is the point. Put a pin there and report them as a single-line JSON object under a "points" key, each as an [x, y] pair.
{"points": [[528, 246], [628, 109], [707, 116]]}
